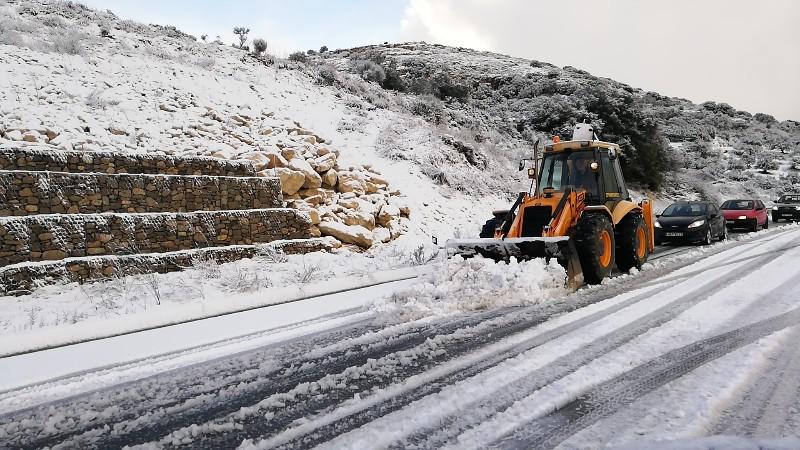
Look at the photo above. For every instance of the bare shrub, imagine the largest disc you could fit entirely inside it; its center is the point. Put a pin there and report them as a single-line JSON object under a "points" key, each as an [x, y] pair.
{"points": [[53, 21], [241, 33], [298, 57], [419, 256], [429, 107], [237, 279], [95, 100], [306, 273], [259, 46], [328, 74], [70, 43], [153, 285], [206, 62], [369, 70], [133, 27], [271, 254]]}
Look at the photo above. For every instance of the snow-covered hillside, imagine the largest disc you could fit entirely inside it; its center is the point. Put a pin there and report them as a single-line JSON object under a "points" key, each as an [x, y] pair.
{"points": [[120, 85]]}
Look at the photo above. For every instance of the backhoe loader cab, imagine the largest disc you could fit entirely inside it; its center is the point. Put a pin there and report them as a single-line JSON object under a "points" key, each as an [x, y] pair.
{"points": [[579, 213]]}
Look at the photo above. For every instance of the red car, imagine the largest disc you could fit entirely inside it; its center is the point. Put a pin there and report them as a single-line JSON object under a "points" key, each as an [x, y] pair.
{"points": [[749, 214]]}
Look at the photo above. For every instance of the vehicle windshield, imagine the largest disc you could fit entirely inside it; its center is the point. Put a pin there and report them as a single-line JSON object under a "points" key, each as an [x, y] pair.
{"points": [[789, 199], [568, 170], [738, 204], [685, 210]]}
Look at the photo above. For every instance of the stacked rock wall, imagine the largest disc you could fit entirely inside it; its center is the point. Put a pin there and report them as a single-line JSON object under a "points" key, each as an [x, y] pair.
{"points": [[26, 193], [55, 237], [34, 160], [20, 279], [82, 216]]}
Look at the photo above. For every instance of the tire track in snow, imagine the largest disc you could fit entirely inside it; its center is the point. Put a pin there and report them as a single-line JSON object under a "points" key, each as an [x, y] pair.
{"points": [[361, 416], [483, 408], [226, 372], [766, 408], [199, 397], [137, 425], [609, 397]]}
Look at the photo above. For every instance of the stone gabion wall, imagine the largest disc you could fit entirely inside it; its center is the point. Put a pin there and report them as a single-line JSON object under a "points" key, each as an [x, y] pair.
{"points": [[55, 237], [19, 280], [117, 162], [27, 193]]}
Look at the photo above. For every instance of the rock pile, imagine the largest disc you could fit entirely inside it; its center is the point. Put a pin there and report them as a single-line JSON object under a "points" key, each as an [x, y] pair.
{"points": [[353, 204]]}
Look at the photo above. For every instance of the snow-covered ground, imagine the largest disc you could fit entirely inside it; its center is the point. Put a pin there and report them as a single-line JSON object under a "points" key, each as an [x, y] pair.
{"points": [[670, 352]]}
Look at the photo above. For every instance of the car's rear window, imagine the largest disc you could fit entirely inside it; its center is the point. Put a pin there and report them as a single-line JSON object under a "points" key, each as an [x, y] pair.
{"points": [[790, 199], [738, 204]]}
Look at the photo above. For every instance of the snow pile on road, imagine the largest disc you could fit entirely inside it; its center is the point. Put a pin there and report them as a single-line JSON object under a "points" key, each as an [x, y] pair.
{"points": [[460, 285], [207, 283]]}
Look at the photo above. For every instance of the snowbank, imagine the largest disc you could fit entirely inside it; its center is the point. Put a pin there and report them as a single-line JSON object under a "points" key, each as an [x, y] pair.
{"points": [[459, 285]]}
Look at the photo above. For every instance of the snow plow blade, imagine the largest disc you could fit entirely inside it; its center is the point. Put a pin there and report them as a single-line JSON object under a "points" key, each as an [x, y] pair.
{"points": [[561, 248]]}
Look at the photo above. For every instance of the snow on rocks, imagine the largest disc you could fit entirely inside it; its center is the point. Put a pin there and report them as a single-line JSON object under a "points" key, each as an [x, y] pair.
{"points": [[149, 99], [460, 284]]}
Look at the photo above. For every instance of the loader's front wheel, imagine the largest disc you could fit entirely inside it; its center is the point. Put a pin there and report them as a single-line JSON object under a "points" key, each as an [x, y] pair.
{"points": [[488, 228], [632, 251], [594, 242]]}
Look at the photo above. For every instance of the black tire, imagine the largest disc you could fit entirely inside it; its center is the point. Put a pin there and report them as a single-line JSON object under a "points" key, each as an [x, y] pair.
{"points": [[766, 223], [775, 219], [707, 240], [590, 249], [724, 235], [630, 231], [755, 226], [488, 228]]}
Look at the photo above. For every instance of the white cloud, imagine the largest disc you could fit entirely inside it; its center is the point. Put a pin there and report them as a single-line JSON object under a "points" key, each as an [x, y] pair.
{"points": [[737, 51], [439, 21]]}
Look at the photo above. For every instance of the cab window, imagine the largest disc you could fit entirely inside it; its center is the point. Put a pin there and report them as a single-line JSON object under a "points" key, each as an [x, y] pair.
{"points": [[612, 185]]}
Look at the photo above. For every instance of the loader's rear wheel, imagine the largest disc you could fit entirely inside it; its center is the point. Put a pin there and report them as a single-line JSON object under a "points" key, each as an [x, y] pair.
{"points": [[594, 242], [488, 228], [632, 243]]}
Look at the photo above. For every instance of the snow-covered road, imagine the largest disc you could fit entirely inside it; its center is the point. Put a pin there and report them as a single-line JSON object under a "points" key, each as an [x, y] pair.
{"points": [[703, 342]]}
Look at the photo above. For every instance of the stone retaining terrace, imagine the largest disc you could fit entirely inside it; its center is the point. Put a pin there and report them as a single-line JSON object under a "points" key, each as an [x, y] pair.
{"points": [[23, 278], [31, 159], [28, 193], [55, 237]]}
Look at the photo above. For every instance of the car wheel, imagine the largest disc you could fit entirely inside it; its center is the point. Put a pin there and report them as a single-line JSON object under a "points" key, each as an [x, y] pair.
{"points": [[708, 240], [755, 226], [766, 223], [724, 235], [775, 219]]}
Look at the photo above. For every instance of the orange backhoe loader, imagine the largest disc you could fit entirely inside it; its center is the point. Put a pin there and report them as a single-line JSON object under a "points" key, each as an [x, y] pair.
{"points": [[579, 213]]}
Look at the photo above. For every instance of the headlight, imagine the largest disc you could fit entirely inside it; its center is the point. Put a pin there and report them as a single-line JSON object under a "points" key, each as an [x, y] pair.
{"points": [[657, 225], [697, 223], [797, 208], [742, 217], [774, 208]]}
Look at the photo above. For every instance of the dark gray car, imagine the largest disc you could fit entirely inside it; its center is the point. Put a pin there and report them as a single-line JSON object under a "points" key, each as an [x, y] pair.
{"points": [[787, 208], [690, 222]]}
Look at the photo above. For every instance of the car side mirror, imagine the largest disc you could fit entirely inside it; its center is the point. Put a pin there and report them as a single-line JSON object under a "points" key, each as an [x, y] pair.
{"points": [[658, 215]]}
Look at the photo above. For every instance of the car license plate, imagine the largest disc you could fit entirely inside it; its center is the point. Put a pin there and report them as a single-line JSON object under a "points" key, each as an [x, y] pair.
{"points": [[674, 234]]}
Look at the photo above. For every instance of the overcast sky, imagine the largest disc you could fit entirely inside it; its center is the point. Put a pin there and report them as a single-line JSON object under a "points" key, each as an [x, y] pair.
{"points": [[742, 52]]}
